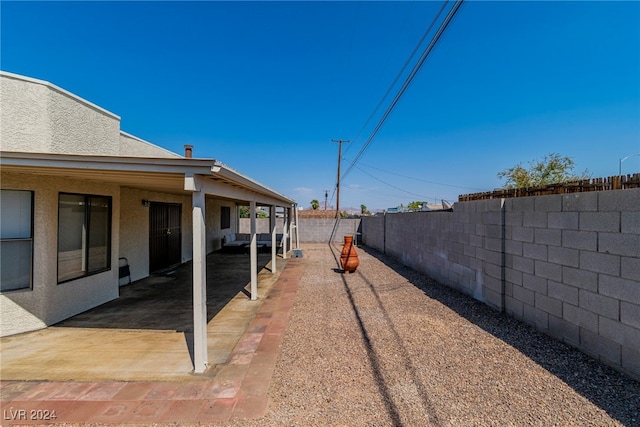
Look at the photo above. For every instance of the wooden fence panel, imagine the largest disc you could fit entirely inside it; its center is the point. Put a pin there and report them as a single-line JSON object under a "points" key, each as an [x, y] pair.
{"points": [[594, 184]]}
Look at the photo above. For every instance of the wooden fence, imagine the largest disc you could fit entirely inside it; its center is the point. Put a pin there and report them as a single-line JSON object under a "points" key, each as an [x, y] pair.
{"points": [[593, 184]]}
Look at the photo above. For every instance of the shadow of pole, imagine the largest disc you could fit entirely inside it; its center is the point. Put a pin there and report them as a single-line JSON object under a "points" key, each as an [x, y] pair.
{"points": [[574, 368], [371, 354], [428, 405], [188, 340]]}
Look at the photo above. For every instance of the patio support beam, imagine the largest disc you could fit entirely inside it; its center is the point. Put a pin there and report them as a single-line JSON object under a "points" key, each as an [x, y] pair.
{"points": [[253, 251], [227, 191], [290, 227], [200, 355], [285, 233], [272, 228], [295, 209]]}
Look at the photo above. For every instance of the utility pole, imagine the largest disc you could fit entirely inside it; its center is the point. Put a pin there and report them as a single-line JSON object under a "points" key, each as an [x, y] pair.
{"points": [[326, 195], [339, 141]]}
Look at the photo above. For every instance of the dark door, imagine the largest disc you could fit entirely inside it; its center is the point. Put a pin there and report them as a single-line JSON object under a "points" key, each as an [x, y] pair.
{"points": [[165, 235]]}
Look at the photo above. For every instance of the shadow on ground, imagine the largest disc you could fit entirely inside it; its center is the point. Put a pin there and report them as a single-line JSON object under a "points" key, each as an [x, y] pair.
{"points": [[164, 301], [383, 387], [610, 390]]}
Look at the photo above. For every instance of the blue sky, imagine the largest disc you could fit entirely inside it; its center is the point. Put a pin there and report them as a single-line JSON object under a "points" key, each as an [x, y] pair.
{"points": [[266, 86]]}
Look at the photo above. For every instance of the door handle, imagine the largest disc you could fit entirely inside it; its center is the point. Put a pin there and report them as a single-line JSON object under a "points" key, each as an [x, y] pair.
{"points": [[168, 231]]}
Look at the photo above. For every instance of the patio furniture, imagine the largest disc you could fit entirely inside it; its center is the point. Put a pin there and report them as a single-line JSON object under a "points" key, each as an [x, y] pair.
{"points": [[235, 242]]}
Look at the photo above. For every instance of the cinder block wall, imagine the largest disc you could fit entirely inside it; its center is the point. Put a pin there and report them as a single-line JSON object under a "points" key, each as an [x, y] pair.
{"points": [[311, 230], [262, 225], [567, 264], [319, 230]]}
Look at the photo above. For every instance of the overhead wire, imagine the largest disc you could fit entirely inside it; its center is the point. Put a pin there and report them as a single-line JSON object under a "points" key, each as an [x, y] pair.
{"points": [[393, 186], [447, 20], [400, 73], [423, 180], [380, 195]]}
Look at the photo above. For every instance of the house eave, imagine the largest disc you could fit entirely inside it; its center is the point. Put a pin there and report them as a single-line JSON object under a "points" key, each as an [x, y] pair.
{"points": [[154, 174]]}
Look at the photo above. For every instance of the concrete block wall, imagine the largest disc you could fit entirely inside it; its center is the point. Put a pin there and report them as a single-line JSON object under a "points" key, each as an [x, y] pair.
{"points": [[567, 264], [374, 233], [319, 230], [263, 225], [312, 230]]}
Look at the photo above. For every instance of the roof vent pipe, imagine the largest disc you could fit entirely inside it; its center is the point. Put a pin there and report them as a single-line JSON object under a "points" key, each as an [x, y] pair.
{"points": [[188, 151]]}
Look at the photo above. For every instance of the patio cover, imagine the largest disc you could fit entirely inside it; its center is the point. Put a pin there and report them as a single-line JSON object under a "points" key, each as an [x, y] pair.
{"points": [[197, 177]]}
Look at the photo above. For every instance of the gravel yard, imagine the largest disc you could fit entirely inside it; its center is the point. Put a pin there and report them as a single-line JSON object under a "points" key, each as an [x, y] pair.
{"points": [[387, 346]]}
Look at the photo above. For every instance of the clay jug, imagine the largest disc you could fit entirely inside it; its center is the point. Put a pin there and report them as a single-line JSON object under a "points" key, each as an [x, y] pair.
{"points": [[349, 257]]}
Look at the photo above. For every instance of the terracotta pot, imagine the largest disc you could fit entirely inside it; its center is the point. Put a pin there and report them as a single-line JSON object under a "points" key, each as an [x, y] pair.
{"points": [[349, 257]]}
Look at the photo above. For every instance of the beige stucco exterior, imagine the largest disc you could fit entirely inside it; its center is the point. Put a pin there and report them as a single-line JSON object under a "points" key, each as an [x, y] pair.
{"points": [[132, 146], [214, 233], [47, 302], [134, 228], [44, 118]]}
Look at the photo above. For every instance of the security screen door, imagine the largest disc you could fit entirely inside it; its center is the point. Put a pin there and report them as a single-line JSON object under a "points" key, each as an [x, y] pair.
{"points": [[165, 235]]}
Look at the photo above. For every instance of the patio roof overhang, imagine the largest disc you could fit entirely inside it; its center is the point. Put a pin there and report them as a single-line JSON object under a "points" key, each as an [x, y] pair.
{"points": [[185, 176], [172, 175]]}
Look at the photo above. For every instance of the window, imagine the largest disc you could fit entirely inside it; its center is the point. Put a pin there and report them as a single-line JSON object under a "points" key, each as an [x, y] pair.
{"points": [[225, 217], [84, 235], [16, 239]]}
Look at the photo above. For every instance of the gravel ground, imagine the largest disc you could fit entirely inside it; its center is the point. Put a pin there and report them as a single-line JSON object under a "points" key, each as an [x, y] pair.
{"points": [[387, 346]]}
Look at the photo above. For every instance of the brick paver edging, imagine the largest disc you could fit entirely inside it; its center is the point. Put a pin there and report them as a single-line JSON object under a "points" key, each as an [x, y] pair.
{"points": [[239, 389]]}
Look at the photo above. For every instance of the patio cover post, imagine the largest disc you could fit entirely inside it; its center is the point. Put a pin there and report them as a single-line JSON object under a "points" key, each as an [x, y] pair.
{"points": [[285, 234], [290, 227], [297, 229], [272, 228], [253, 250], [200, 356]]}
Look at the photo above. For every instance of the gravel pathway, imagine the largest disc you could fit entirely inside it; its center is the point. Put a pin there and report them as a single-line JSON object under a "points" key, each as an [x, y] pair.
{"points": [[387, 346]]}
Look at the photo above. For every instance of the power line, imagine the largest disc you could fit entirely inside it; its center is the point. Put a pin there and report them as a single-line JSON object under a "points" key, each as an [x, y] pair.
{"points": [[393, 186], [454, 9], [404, 67], [422, 180]]}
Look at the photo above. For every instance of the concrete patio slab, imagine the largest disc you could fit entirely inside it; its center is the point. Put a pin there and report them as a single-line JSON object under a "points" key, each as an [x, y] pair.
{"points": [[235, 389], [146, 334]]}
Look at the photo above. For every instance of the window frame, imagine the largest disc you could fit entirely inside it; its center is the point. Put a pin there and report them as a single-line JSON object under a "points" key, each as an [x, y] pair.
{"points": [[31, 239], [87, 225]]}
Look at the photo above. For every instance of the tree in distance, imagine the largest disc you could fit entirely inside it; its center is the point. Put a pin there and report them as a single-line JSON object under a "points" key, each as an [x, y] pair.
{"points": [[552, 169], [364, 211], [315, 204], [416, 206], [245, 212]]}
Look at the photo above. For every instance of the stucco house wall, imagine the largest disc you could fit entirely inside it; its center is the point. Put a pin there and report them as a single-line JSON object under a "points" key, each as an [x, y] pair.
{"points": [[134, 228], [133, 146], [46, 119], [48, 302], [213, 217]]}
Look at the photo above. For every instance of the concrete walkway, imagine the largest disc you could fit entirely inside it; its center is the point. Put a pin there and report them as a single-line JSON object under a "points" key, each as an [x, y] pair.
{"points": [[234, 388]]}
